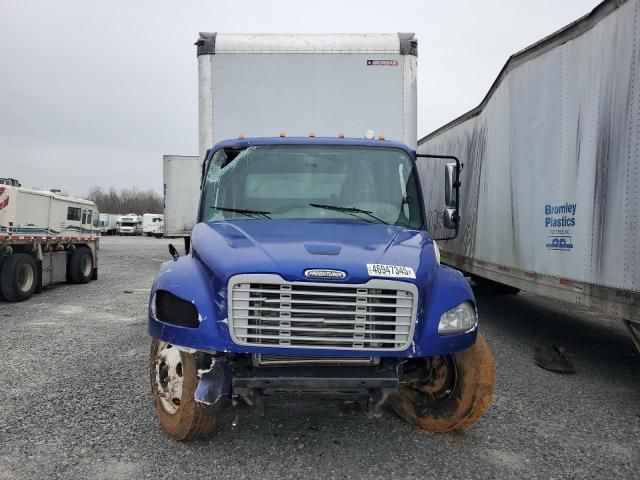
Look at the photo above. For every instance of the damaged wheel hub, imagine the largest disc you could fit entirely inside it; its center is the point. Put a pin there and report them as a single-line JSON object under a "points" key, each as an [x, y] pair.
{"points": [[169, 377], [433, 377]]}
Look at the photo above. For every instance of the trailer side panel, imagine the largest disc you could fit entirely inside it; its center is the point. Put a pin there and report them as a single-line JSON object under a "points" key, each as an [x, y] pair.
{"points": [[551, 179]]}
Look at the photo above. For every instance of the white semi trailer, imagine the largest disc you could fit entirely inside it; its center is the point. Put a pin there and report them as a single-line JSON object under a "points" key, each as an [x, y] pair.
{"points": [[45, 237], [550, 194]]}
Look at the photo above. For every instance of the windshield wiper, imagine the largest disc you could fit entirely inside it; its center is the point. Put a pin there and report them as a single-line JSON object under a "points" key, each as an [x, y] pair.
{"points": [[249, 213], [350, 211]]}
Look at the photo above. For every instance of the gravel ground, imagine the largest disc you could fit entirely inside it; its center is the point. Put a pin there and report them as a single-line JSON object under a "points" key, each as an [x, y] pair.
{"points": [[76, 398]]}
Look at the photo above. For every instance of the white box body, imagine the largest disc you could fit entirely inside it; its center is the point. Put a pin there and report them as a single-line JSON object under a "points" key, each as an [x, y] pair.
{"points": [[259, 85], [181, 194]]}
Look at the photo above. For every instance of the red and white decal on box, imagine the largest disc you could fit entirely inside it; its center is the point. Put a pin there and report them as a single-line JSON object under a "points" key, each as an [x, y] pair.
{"points": [[3, 201]]}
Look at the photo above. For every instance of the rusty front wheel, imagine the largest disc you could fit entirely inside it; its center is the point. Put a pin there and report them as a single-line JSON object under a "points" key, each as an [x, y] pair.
{"points": [[446, 393], [174, 378]]}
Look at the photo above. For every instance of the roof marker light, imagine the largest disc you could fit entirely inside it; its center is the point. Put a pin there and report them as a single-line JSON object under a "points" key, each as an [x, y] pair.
{"points": [[380, 137], [282, 134], [241, 136], [341, 135], [369, 134], [312, 135]]}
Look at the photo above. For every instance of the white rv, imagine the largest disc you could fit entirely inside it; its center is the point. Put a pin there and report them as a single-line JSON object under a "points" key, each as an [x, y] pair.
{"points": [[130, 224], [108, 223], [45, 237], [153, 224]]}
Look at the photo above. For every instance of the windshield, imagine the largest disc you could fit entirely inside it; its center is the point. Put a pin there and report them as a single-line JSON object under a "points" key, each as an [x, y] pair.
{"points": [[364, 184]]}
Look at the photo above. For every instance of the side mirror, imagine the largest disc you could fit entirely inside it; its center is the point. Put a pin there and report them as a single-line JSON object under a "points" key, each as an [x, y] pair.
{"points": [[449, 181], [451, 215], [173, 252], [450, 219]]}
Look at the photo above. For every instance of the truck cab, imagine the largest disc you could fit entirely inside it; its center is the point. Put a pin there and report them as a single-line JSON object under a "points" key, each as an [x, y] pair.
{"points": [[310, 272]]}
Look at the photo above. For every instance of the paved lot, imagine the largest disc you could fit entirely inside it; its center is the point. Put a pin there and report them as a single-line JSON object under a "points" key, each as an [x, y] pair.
{"points": [[75, 399]]}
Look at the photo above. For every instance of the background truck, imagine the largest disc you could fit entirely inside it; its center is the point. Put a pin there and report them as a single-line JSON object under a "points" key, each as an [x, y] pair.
{"points": [[551, 197], [309, 269], [181, 190], [130, 224], [153, 224], [108, 223], [45, 237]]}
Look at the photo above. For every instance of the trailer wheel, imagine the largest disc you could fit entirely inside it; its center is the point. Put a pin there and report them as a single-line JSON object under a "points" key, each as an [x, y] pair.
{"points": [[174, 378], [446, 393], [81, 265], [19, 277]]}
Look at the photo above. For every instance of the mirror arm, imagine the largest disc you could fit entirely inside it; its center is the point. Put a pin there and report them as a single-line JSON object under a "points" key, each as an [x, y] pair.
{"points": [[456, 186]]}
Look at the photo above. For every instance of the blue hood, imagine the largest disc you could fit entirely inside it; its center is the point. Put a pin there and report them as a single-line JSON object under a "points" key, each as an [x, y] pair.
{"points": [[289, 247]]}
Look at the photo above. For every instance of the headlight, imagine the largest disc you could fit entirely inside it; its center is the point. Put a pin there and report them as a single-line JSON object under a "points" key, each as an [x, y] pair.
{"points": [[152, 305], [169, 308], [457, 320], [436, 250]]}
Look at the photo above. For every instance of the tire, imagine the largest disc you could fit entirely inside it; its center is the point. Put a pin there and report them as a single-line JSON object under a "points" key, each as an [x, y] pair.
{"points": [[1, 265], [448, 393], [81, 265], [180, 416], [19, 277]]}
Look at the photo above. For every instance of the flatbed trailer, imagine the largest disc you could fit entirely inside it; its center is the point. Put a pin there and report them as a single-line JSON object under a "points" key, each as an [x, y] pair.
{"points": [[45, 237]]}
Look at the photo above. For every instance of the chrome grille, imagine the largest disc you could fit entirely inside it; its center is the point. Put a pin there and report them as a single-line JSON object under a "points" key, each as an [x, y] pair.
{"points": [[265, 310]]}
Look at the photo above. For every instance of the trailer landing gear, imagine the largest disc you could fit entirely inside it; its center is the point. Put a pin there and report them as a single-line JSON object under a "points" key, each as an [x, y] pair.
{"points": [[446, 393]]}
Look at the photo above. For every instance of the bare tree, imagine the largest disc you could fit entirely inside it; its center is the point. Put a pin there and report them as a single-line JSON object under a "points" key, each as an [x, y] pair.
{"points": [[126, 200]]}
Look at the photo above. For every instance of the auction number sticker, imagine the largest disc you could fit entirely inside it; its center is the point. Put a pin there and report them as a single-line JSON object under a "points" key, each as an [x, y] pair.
{"points": [[390, 271]]}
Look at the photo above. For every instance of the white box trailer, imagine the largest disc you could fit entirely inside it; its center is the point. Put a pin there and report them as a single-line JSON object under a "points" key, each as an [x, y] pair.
{"points": [[551, 180], [153, 224], [181, 190], [319, 84], [45, 237], [108, 223]]}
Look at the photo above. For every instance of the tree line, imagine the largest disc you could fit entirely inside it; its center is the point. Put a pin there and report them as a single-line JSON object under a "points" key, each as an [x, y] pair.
{"points": [[126, 200]]}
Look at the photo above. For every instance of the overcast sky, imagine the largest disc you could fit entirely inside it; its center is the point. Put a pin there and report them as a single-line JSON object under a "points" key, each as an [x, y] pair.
{"points": [[95, 92]]}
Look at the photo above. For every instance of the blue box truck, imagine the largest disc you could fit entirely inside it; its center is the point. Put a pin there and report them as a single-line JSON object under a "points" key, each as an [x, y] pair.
{"points": [[308, 269]]}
